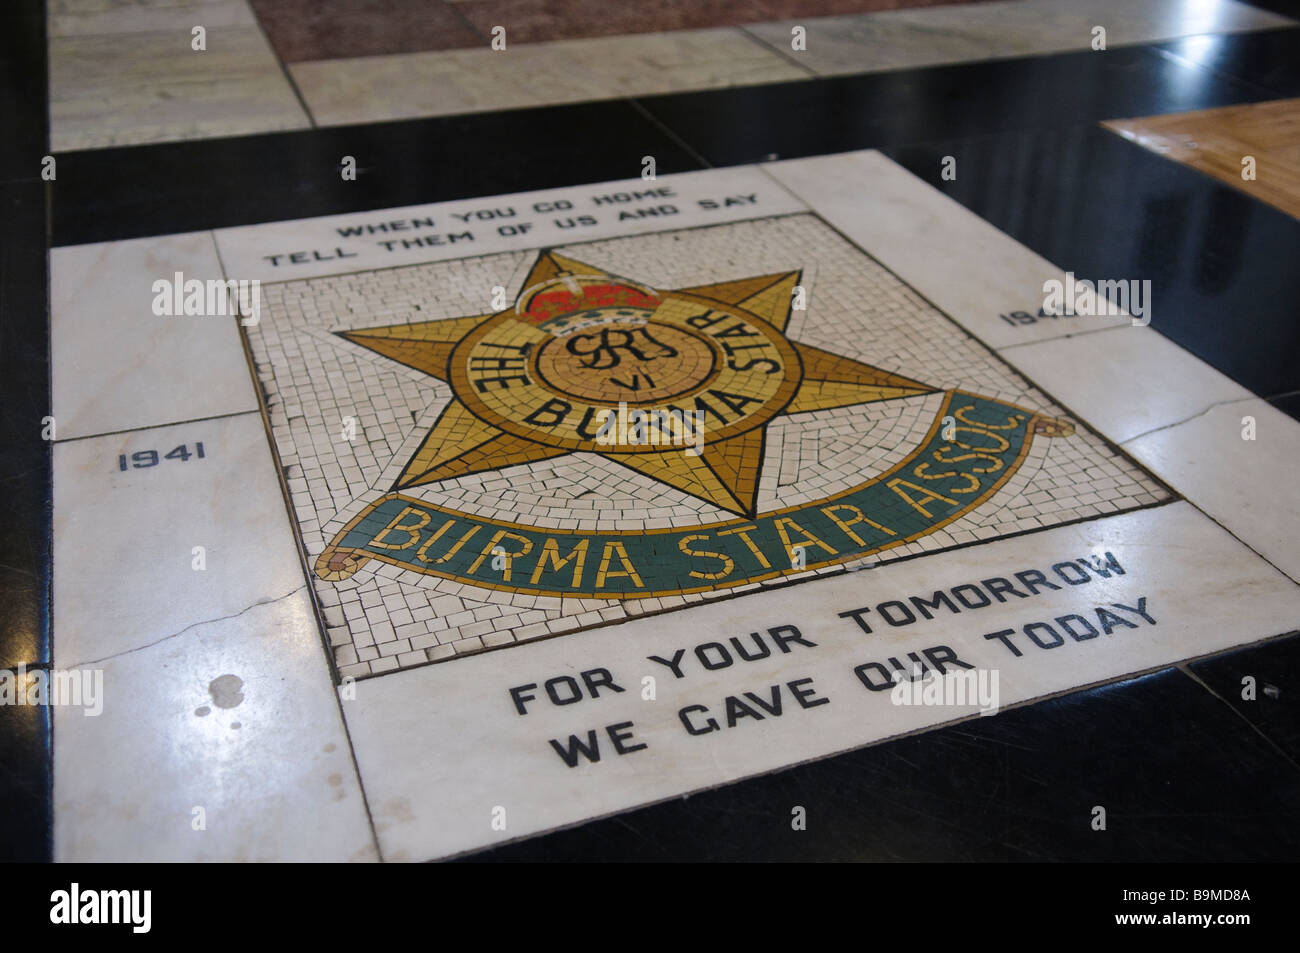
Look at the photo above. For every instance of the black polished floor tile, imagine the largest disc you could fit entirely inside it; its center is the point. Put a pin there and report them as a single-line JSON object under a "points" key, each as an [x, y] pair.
{"points": [[1268, 60], [24, 516], [24, 454], [1271, 699], [1180, 776], [1287, 403], [839, 114], [109, 194], [25, 784], [1220, 262], [1288, 8], [23, 80]]}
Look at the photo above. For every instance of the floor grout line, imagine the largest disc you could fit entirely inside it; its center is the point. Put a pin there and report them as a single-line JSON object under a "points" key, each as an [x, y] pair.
{"points": [[670, 132], [1185, 668], [284, 67], [785, 55], [454, 9], [1156, 48]]}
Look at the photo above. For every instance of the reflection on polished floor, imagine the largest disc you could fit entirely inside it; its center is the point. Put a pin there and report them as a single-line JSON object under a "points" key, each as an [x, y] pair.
{"points": [[470, 443]]}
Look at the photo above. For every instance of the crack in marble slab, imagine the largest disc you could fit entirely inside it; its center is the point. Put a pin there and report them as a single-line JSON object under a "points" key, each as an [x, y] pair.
{"points": [[1179, 423], [193, 625]]}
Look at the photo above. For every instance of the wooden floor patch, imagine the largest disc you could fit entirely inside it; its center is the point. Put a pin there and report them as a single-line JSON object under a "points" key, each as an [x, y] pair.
{"points": [[1255, 148]]}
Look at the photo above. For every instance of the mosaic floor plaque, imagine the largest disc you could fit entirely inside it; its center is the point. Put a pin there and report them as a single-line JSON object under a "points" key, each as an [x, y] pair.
{"points": [[637, 424], [503, 514]]}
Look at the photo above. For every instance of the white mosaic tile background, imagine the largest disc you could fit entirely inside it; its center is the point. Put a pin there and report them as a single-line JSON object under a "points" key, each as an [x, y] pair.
{"points": [[385, 618]]}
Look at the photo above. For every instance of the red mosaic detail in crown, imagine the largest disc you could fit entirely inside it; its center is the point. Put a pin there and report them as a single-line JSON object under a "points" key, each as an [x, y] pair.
{"points": [[559, 299]]}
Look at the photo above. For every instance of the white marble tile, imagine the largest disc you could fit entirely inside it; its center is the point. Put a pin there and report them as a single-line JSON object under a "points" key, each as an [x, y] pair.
{"points": [[1124, 381], [223, 744], [1247, 485], [443, 749], [407, 85], [97, 17], [131, 88], [215, 686], [124, 561], [115, 364], [871, 42], [971, 270], [959, 33], [341, 244]]}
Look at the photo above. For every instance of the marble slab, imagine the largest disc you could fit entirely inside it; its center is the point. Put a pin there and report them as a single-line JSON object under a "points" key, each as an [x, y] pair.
{"points": [[136, 87], [214, 692], [224, 744], [115, 364], [977, 274], [99, 17], [444, 750], [930, 36], [1128, 381], [129, 536], [448, 82], [1236, 460]]}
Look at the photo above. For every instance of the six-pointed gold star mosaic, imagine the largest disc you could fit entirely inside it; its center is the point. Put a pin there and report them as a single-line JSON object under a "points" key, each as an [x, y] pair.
{"points": [[540, 379]]}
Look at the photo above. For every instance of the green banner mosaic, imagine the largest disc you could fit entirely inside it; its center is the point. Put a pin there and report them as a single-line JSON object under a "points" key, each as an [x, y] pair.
{"points": [[972, 448]]}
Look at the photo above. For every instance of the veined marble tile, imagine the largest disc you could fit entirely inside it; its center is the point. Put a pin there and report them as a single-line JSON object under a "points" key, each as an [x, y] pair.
{"points": [[1125, 381], [222, 744], [125, 560], [99, 17], [134, 87], [1245, 482], [960, 33], [1128, 594], [869, 42], [978, 275], [116, 365], [340, 244], [375, 88]]}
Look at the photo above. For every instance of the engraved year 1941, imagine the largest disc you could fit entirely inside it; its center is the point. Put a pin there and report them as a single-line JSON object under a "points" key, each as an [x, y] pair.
{"points": [[150, 458]]}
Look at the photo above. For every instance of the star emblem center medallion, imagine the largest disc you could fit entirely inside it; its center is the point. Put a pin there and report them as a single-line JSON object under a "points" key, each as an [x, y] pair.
{"points": [[708, 366]]}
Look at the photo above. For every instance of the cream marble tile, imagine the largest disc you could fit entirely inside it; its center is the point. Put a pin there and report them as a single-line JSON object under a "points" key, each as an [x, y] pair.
{"points": [[400, 86], [124, 575], [970, 269], [870, 42], [953, 34], [342, 244], [131, 88], [1247, 485], [236, 718], [115, 364], [443, 749], [1124, 381], [97, 17]]}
